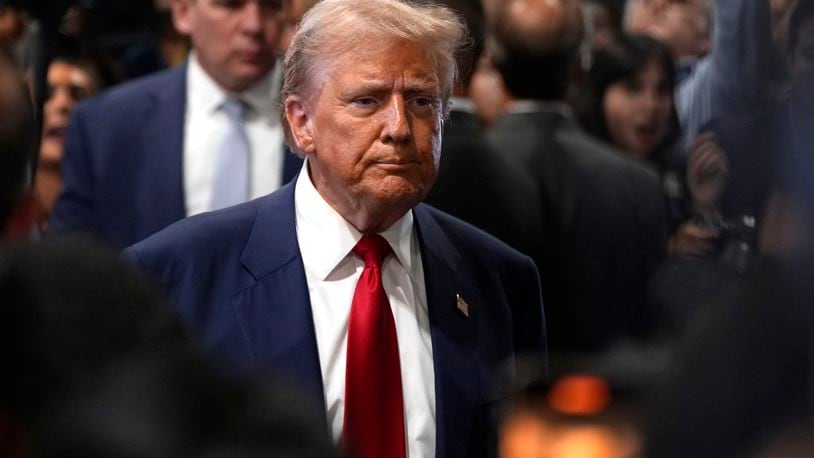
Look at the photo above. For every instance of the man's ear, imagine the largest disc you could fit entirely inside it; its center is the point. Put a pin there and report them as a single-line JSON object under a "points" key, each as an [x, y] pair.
{"points": [[300, 121], [181, 16]]}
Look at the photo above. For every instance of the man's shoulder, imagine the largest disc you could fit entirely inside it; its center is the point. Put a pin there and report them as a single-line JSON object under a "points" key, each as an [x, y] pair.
{"points": [[549, 134], [468, 240], [125, 97], [200, 236]]}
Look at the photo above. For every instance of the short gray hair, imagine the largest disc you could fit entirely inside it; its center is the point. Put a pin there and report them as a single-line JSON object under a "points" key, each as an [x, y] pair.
{"points": [[334, 26]]}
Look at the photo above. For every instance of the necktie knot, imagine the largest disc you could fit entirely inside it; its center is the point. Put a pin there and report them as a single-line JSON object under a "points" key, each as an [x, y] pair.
{"points": [[235, 109], [372, 249]]}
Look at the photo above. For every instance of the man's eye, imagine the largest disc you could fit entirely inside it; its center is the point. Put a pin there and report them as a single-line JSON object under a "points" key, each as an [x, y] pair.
{"points": [[423, 101], [365, 101]]}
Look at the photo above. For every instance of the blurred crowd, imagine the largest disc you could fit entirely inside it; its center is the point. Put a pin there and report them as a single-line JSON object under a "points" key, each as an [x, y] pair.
{"points": [[650, 156]]}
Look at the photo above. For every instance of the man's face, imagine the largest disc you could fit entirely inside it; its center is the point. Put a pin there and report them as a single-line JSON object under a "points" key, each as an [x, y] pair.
{"points": [[235, 40], [372, 129], [682, 25]]}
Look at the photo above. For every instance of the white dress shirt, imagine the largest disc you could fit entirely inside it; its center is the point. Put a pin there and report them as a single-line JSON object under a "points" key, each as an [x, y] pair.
{"points": [[332, 271], [205, 125]]}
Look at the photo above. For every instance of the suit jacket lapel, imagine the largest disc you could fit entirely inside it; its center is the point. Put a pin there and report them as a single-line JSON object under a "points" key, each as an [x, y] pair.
{"points": [[275, 311], [162, 193], [454, 337], [275, 316]]}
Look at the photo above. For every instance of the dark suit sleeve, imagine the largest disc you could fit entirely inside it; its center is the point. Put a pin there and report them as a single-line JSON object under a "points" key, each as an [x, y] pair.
{"points": [[130, 256], [74, 209]]}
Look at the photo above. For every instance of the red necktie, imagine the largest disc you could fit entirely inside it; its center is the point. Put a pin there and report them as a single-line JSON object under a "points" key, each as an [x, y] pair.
{"points": [[374, 410]]}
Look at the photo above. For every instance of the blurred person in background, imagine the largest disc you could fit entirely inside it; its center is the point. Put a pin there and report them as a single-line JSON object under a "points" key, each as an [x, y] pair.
{"points": [[743, 381], [70, 79], [174, 45], [487, 91], [603, 24], [723, 50], [20, 34], [604, 224], [685, 27], [12, 25], [294, 14], [96, 363], [781, 14], [627, 100], [173, 404], [19, 210], [471, 172], [196, 138], [745, 377], [761, 144], [71, 309]]}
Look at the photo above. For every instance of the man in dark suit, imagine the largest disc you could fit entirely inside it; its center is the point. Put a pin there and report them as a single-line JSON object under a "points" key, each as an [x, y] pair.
{"points": [[394, 316], [152, 151], [471, 171], [603, 215]]}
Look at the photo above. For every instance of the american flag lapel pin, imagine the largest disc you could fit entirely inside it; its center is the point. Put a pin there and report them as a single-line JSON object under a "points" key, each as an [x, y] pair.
{"points": [[461, 304]]}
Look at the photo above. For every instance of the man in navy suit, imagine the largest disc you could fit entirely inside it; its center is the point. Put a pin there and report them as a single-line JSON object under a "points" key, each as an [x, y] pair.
{"points": [[150, 152], [279, 284]]}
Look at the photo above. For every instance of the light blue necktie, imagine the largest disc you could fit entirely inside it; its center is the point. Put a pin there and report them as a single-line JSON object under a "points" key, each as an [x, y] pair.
{"points": [[231, 183]]}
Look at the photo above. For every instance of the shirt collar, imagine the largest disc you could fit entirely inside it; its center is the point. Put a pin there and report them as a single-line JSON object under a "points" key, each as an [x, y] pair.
{"points": [[329, 237], [205, 94]]}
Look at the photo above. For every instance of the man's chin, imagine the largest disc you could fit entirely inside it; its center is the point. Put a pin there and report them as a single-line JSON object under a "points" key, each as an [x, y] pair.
{"points": [[247, 75], [397, 189], [397, 200]]}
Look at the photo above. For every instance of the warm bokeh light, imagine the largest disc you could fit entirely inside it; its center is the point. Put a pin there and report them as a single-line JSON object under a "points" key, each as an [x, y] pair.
{"points": [[579, 395], [529, 435]]}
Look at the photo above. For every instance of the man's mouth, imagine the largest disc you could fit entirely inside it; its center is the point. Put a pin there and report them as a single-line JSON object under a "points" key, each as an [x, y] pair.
{"points": [[252, 55], [396, 164]]}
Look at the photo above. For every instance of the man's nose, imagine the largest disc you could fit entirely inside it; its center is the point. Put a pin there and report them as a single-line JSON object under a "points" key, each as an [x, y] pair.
{"points": [[251, 17], [397, 123]]}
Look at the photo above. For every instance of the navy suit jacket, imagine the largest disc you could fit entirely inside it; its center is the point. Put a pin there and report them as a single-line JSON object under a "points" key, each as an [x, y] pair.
{"points": [[238, 281], [122, 170]]}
